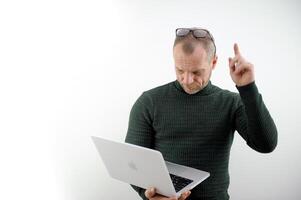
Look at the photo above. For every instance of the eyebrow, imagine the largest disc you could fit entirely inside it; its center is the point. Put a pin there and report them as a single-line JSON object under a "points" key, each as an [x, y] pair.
{"points": [[201, 69]]}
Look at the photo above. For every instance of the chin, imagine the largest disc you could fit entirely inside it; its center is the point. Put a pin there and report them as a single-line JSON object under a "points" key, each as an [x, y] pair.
{"points": [[192, 91]]}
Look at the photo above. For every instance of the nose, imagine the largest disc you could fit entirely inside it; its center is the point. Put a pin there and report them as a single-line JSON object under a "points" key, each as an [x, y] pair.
{"points": [[187, 78]]}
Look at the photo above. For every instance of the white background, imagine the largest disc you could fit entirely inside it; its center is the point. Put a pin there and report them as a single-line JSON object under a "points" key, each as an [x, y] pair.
{"points": [[72, 69]]}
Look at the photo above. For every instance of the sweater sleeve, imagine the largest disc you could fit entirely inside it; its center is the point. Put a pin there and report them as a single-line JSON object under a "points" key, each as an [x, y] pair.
{"points": [[253, 120], [140, 131]]}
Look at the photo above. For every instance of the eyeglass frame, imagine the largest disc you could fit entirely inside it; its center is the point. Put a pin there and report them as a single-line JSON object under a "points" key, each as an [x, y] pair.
{"points": [[193, 34]]}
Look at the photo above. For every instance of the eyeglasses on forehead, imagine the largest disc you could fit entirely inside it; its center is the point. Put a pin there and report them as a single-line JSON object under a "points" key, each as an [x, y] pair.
{"points": [[197, 33]]}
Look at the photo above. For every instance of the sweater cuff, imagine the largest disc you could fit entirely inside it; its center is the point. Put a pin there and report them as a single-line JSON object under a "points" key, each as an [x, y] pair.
{"points": [[248, 92]]}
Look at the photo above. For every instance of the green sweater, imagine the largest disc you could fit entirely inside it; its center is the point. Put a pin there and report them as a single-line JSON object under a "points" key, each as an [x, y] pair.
{"points": [[197, 130]]}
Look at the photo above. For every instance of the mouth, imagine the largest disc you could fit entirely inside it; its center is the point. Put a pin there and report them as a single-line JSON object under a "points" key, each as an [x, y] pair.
{"points": [[191, 90]]}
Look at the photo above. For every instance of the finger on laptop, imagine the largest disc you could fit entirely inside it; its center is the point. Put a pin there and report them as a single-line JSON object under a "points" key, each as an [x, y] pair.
{"points": [[184, 195], [149, 193], [152, 195]]}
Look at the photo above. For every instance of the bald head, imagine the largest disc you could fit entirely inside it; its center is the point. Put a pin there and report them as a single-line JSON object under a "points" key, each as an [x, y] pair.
{"points": [[189, 44]]}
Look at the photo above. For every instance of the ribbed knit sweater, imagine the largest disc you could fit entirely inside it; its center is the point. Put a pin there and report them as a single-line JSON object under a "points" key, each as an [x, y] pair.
{"points": [[197, 130]]}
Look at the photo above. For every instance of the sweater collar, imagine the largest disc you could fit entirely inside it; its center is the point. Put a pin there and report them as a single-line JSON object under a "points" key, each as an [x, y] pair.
{"points": [[205, 91]]}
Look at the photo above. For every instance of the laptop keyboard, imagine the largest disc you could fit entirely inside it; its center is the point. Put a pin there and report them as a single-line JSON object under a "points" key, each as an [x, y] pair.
{"points": [[179, 182]]}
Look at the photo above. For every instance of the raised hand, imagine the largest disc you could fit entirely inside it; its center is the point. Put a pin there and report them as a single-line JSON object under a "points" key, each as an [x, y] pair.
{"points": [[241, 71]]}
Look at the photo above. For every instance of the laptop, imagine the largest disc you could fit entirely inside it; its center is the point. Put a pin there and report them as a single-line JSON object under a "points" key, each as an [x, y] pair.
{"points": [[146, 168]]}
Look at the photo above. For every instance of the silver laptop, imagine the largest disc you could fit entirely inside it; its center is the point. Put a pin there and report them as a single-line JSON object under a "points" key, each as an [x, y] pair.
{"points": [[146, 168]]}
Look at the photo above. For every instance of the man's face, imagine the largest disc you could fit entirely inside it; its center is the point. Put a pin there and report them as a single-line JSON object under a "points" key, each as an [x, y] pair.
{"points": [[193, 71]]}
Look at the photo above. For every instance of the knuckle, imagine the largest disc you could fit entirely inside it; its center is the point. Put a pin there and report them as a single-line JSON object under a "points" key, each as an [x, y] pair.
{"points": [[146, 193]]}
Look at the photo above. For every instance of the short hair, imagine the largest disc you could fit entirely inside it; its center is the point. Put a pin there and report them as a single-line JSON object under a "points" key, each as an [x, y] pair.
{"points": [[190, 43]]}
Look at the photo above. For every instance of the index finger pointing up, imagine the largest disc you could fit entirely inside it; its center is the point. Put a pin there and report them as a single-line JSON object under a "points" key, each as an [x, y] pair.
{"points": [[236, 49]]}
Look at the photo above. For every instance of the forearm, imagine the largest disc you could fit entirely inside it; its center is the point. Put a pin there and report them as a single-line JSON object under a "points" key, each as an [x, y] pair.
{"points": [[259, 128]]}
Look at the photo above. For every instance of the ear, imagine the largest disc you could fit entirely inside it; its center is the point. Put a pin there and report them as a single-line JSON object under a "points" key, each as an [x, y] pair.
{"points": [[213, 62]]}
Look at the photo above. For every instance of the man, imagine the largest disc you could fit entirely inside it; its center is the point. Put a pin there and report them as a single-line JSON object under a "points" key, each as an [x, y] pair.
{"points": [[192, 122]]}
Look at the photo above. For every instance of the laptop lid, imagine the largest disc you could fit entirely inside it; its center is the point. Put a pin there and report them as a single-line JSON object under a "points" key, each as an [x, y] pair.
{"points": [[136, 165]]}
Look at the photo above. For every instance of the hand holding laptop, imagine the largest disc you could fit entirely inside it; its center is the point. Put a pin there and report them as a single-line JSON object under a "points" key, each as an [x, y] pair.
{"points": [[152, 195], [142, 166]]}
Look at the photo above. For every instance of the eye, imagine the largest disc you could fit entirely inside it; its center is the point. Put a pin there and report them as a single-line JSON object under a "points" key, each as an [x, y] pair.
{"points": [[180, 71], [197, 73]]}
